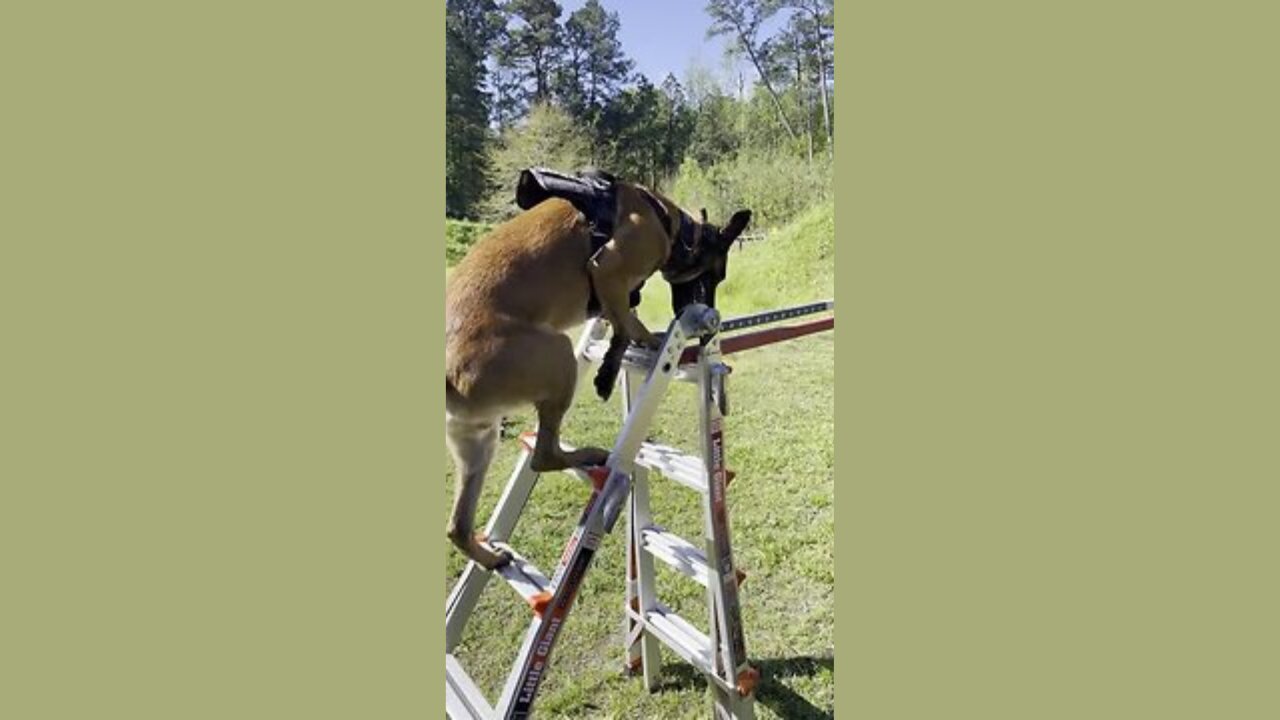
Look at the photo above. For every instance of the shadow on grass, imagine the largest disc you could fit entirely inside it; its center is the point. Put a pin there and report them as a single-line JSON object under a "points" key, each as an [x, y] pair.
{"points": [[773, 692]]}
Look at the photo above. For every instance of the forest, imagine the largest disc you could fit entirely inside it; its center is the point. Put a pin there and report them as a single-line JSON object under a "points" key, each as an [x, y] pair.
{"points": [[529, 84]]}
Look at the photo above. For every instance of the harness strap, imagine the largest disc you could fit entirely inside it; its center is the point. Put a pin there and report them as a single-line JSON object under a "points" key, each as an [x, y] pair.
{"points": [[682, 239], [663, 215]]}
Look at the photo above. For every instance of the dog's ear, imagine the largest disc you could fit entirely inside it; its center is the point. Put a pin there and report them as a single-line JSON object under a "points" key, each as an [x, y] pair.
{"points": [[736, 225]]}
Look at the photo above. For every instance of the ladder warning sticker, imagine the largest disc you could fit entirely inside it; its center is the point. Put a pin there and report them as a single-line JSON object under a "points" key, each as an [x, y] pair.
{"points": [[724, 552]]}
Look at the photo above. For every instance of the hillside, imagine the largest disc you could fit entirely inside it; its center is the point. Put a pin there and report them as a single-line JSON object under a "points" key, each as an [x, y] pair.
{"points": [[794, 264]]}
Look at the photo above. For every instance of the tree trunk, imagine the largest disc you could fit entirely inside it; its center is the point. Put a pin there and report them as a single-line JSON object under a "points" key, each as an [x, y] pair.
{"points": [[822, 74], [764, 77], [808, 106]]}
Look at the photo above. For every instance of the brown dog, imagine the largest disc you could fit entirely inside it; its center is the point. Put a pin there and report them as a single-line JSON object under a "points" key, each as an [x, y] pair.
{"points": [[509, 303]]}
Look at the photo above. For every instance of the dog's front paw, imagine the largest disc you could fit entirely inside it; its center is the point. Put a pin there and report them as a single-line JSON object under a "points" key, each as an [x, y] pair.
{"points": [[606, 380]]}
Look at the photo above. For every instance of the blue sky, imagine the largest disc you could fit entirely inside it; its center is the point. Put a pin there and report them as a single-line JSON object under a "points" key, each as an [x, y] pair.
{"points": [[663, 36]]}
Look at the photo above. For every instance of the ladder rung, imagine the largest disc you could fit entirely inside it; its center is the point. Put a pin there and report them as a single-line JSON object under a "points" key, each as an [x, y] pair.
{"points": [[688, 470], [677, 552], [641, 358], [635, 356], [524, 578], [688, 641], [462, 699]]}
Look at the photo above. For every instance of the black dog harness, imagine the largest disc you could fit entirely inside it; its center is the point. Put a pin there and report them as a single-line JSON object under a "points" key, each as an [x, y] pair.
{"points": [[595, 195]]}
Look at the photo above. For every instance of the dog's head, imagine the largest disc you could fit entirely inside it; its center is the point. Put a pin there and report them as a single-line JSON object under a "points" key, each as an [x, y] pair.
{"points": [[700, 259]]}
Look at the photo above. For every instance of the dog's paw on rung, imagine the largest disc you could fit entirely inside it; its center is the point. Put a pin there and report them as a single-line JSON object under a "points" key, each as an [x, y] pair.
{"points": [[597, 475]]}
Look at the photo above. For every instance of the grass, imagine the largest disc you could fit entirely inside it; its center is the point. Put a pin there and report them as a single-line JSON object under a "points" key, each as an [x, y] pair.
{"points": [[779, 441]]}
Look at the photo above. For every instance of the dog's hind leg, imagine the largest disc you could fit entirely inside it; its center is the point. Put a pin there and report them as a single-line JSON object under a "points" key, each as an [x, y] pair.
{"points": [[553, 404], [547, 453], [472, 445]]}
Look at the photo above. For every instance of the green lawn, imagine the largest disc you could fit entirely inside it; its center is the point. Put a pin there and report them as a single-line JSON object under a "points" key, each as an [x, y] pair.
{"points": [[779, 441]]}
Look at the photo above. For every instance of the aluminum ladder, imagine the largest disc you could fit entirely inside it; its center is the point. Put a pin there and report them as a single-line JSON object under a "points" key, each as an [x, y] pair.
{"points": [[722, 656], [646, 377]]}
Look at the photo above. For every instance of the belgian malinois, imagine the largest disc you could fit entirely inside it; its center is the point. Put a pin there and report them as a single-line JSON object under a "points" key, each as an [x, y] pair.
{"points": [[509, 303]]}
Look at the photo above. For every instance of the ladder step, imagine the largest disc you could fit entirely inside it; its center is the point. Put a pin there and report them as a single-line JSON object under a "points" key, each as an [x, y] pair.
{"points": [[643, 359], [688, 470], [692, 645], [677, 552], [688, 641], [525, 579], [634, 355], [462, 699]]}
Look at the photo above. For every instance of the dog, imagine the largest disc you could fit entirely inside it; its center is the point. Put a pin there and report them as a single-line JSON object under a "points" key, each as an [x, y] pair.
{"points": [[511, 300]]}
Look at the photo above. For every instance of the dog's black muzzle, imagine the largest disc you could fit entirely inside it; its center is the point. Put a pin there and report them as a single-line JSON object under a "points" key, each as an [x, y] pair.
{"points": [[701, 289], [695, 279]]}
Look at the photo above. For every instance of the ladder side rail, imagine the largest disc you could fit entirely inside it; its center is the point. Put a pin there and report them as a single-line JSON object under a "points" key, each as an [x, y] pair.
{"points": [[722, 660], [463, 700], [601, 512], [643, 651], [727, 632], [466, 594]]}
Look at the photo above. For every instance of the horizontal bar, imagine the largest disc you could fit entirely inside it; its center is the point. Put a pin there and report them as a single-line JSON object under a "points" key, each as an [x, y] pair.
{"points": [[738, 343], [643, 357], [772, 316], [677, 552]]}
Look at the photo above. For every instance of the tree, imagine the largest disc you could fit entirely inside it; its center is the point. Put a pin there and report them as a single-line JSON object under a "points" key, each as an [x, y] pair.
{"points": [[714, 135], [820, 22], [532, 48], [470, 27], [741, 20], [599, 66], [548, 137], [631, 131], [596, 66], [788, 64], [678, 121]]}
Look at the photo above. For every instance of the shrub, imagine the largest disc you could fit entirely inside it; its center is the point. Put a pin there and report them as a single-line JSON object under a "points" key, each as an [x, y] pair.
{"points": [[459, 236], [548, 137], [776, 186]]}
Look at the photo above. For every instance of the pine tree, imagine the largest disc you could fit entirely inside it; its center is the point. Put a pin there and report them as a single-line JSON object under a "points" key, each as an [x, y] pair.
{"points": [[532, 48], [818, 20], [470, 26], [596, 66], [741, 20]]}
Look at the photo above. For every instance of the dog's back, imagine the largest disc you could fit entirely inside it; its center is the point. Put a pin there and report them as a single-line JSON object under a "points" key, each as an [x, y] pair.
{"points": [[530, 269], [527, 276]]}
